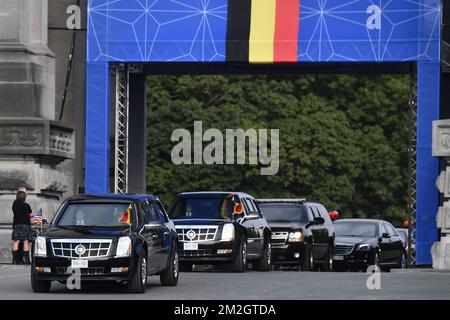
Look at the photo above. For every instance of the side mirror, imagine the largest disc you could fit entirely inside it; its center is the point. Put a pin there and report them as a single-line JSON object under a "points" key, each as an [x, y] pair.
{"points": [[385, 235]]}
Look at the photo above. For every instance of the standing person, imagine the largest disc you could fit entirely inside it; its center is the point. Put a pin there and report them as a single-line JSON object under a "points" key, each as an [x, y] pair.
{"points": [[22, 231]]}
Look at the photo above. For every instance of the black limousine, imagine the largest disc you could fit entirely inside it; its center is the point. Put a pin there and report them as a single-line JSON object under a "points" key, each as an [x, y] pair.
{"points": [[122, 238]]}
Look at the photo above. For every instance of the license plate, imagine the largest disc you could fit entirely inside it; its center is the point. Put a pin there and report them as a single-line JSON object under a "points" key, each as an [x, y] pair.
{"points": [[339, 258], [79, 264], [191, 246]]}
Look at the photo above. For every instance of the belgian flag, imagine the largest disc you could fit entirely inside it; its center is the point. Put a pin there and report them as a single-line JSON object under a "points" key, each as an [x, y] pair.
{"points": [[126, 217], [262, 31]]}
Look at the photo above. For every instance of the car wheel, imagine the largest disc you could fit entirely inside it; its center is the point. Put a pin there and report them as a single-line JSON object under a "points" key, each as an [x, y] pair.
{"points": [[239, 263], [170, 276], [375, 260], [328, 264], [138, 282], [308, 259], [39, 285], [264, 262], [403, 261]]}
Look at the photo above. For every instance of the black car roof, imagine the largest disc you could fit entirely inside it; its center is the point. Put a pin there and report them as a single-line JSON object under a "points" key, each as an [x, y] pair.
{"points": [[126, 197], [212, 194]]}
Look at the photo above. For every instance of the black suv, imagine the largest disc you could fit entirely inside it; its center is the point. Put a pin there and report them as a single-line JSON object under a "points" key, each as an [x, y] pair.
{"points": [[221, 228], [302, 233], [122, 238]]}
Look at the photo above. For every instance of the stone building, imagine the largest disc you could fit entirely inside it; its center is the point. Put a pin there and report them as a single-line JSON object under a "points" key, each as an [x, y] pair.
{"points": [[41, 121]]}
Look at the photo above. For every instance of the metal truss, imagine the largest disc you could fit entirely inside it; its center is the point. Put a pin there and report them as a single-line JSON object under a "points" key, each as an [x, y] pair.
{"points": [[445, 56], [121, 77], [412, 169]]}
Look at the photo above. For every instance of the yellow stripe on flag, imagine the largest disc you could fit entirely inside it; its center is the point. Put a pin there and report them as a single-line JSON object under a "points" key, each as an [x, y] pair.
{"points": [[262, 30]]}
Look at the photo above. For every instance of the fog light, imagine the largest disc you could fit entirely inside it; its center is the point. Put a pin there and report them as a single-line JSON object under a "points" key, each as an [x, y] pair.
{"points": [[119, 270], [224, 251], [43, 269], [297, 255]]}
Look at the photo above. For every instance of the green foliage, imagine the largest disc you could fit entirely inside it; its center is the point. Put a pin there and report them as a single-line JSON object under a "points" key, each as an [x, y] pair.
{"points": [[343, 139]]}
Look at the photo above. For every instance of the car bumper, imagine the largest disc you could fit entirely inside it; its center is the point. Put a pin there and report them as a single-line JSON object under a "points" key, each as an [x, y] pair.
{"points": [[357, 259], [288, 254], [209, 252], [98, 269]]}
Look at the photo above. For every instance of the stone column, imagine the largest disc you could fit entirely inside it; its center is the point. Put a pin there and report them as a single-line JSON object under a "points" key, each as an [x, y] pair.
{"points": [[32, 144], [440, 251]]}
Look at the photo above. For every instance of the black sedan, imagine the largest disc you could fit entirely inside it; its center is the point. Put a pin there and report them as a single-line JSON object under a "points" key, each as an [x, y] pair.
{"points": [[122, 238], [361, 243]]}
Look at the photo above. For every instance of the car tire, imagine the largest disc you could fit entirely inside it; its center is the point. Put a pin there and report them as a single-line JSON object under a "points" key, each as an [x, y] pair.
{"points": [[39, 285], [264, 263], [138, 283], [239, 263], [328, 264], [308, 260], [169, 277], [402, 263]]}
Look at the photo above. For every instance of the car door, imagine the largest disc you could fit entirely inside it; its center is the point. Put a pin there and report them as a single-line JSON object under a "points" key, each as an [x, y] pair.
{"points": [[329, 226], [384, 245], [153, 236], [249, 225], [259, 225], [166, 237], [320, 235], [396, 244]]}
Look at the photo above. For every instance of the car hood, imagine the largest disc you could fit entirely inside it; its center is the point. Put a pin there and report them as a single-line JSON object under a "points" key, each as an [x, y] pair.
{"points": [[355, 240], [289, 225], [199, 222], [72, 233]]}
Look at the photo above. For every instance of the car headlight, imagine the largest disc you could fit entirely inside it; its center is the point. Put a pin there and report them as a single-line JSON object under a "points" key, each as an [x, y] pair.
{"points": [[296, 236], [228, 232], [363, 247], [123, 247], [40, 247]]}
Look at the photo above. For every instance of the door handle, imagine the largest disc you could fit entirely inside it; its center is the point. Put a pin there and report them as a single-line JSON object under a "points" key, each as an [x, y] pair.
{"points": [[261, 227], [166, 233]]}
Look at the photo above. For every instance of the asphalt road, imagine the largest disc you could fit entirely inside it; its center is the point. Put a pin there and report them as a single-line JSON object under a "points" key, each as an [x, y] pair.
{"points": [[278, 285]]}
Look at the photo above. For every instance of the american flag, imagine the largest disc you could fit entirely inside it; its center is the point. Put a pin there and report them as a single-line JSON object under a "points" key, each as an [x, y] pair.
{"points": [[38, 217]]}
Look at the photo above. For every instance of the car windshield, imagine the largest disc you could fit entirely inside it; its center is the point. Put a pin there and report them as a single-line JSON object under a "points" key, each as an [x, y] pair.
{"points": [[284, 212], [203, 208], [95, 215], [356, 228]]}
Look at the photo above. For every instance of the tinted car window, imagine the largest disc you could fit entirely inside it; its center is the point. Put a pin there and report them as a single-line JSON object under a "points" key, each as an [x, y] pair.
{"points": [[151, 214], [284, 212], [161, 212], [325, 215], [203, 208], [356, 228], [391, 230], [94, 215]]}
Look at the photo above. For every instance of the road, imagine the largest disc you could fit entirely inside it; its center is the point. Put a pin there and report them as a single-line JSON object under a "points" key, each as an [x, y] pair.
{"points": [[279, 285]]}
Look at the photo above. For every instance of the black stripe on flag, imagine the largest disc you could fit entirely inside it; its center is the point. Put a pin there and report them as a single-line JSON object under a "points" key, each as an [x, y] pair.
{"points": [[238, 30]]}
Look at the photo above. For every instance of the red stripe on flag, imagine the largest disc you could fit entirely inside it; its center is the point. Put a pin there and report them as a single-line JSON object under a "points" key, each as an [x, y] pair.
{"points": [[286, 31]]}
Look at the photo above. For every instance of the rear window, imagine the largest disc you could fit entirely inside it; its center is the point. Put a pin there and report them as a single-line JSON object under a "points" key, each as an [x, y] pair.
{"points": [[284, 212], [95, 215], [203, 208]]}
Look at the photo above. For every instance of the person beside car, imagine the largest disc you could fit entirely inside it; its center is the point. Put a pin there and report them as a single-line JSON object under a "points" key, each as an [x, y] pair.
{"points": [[22, 231]]}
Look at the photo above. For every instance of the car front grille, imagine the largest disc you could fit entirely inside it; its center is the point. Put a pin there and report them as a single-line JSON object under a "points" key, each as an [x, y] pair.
{"points": [[83, 271], [279, 237], [343, 249], [93, 248], [196, 233]]}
